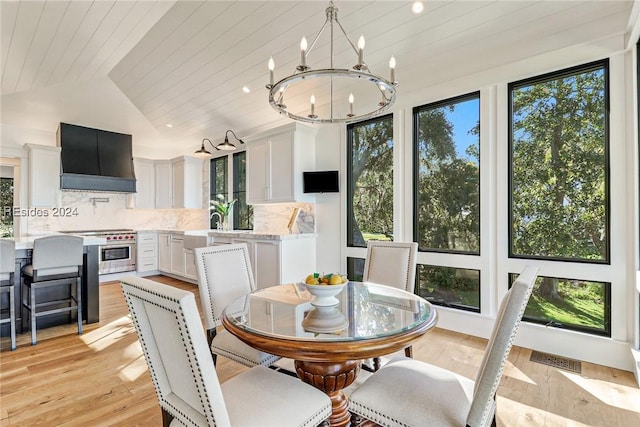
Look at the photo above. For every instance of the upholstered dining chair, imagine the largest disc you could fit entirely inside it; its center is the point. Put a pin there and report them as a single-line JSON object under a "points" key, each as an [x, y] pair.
{"points": [[56, 261], [184, 376], [391, 264], [407, 392], [7, 269], [224, 275]]}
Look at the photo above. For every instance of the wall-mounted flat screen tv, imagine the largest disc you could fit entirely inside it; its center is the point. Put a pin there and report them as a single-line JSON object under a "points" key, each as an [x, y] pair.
{"points": [[320, 182]]}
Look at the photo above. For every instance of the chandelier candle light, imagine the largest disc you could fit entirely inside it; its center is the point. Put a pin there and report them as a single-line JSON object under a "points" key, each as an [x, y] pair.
{"points": [[304, 76]]}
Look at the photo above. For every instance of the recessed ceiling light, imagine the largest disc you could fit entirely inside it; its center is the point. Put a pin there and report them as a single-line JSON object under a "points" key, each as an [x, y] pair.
{"points": [[417, 7], [246, 89], [169, 125]]}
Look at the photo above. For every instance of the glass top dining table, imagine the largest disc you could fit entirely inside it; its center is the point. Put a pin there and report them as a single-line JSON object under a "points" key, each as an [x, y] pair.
{"points": [[364, 311], [329, 342]]}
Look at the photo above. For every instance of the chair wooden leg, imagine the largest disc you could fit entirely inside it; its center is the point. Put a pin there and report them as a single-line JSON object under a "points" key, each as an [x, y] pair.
{"points": [[376, 363], [166, 418], [211, 334], [408, 351]]}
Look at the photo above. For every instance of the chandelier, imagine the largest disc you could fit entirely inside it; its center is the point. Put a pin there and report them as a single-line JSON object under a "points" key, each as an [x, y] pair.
{"points": [[375, 93]]}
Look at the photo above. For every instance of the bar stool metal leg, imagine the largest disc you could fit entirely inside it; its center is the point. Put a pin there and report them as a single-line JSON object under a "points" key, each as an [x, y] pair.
{"points": [[79, 304], [12, 314], [33, 314]]}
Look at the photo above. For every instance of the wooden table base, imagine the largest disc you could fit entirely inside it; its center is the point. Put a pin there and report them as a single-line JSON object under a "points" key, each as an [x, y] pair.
{"points": [[332, 378]]}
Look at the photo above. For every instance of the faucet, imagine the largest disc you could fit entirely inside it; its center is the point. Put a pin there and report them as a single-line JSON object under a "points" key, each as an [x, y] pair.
{"points": [[219, 224]]}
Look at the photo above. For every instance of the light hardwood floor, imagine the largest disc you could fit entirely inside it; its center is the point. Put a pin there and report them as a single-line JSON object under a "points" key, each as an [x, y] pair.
{"points": [[101, 379]]}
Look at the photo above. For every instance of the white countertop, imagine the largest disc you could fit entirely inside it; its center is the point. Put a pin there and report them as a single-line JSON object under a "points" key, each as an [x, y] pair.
{"points": [[26, 242], [240, 234]]}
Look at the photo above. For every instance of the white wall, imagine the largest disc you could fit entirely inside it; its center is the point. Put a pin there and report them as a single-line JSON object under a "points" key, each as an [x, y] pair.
{"points": [[494, 263], [330, 214]]}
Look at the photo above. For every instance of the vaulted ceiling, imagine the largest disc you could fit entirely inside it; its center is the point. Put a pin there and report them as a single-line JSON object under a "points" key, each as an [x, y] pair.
{"points": [[139, 66]]}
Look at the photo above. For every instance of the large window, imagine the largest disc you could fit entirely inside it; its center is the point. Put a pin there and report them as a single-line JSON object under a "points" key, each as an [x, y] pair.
{"points": [[447, 175], [218, 183], [570, 304], [370, 181], [559, 190], [242, 213], [559, 166]]}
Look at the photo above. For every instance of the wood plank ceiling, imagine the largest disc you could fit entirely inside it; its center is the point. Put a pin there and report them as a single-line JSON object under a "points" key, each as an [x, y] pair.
{"points": [[184, 63]]}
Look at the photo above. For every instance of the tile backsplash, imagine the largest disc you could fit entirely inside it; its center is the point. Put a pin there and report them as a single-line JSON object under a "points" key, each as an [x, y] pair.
{"points": [[275, 218], [98, 211]]}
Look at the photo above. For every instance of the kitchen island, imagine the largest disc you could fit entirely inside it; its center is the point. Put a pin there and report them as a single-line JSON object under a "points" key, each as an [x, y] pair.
{"points": [[90, 289], [275, 257]]}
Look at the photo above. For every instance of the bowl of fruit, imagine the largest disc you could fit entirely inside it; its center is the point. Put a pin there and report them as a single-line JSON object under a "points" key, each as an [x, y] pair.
{"points": [[325, 287]]}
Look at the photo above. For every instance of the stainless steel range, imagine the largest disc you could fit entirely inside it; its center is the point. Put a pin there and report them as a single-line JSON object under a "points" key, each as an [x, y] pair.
{"points": [[118, 254]]}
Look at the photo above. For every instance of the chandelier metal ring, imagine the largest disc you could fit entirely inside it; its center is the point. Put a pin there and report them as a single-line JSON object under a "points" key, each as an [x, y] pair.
{"points": [[386, 88]]}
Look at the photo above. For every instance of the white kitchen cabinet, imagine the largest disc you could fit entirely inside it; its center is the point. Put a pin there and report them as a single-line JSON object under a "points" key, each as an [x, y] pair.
{"points": [[177, 255], [275, 162], [187, 182], [191, 242], [147, 251], [145, 197], [163, 184], [267, 263], [190, 271], [164, 252], [44, 175], [280, 261]]}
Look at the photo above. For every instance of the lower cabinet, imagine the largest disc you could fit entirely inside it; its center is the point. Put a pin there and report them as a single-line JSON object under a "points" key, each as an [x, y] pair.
{"points": [[281, 261], [174, 258], [273, 261], [177, 255], [190, 271], [164, 252], [147, 252]]}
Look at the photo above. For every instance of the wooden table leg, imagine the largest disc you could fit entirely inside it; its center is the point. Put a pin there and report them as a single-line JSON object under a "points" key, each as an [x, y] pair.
{"points": [[331, 377]]}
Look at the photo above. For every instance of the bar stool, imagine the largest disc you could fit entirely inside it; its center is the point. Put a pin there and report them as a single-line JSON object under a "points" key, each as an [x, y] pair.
{"points": [[57, 260], [7, 268]]}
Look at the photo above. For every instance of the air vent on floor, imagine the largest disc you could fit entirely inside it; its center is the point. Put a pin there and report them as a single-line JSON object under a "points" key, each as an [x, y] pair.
{"points": [[556, 361]]}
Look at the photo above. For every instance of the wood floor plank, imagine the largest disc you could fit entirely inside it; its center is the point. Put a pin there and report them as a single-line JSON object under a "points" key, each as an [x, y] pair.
{"points": [[100, 378]]}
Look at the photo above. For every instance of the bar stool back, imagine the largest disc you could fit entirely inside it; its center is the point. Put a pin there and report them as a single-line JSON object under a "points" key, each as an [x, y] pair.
{"points": [[7, 268], [57, 260]]}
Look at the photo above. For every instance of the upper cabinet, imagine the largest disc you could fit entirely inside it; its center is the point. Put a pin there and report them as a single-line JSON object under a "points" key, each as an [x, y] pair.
{"points": [[187, 182], [44, 175], [275, 162], [163, 184], [145, 183], [166, 184]]}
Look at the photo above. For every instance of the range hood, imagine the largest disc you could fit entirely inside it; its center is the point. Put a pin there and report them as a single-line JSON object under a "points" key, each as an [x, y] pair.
{"points": [[95, 160]]}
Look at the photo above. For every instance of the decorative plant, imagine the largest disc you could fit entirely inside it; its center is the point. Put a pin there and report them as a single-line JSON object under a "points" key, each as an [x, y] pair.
{"points": [[221, 207]]}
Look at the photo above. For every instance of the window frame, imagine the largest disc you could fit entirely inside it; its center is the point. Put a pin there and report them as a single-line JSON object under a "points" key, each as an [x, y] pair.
{"points": [[234, 192], [416, 165], [600, 64], [511, 277], [349, 170], [222, 160]]}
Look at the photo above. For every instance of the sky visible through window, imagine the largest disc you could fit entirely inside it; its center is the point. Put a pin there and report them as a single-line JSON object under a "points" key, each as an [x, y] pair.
{"points": [[463, 117]]}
